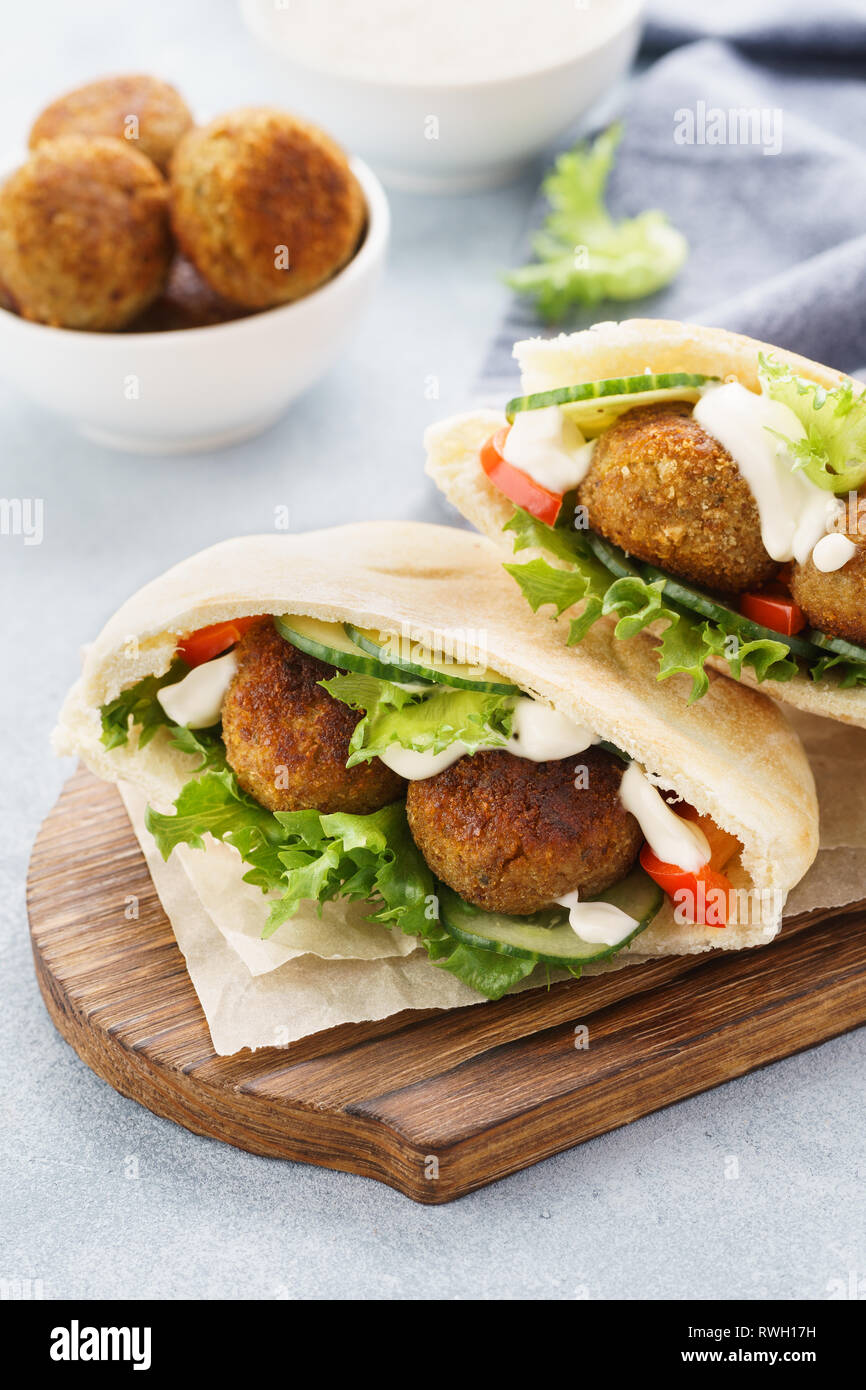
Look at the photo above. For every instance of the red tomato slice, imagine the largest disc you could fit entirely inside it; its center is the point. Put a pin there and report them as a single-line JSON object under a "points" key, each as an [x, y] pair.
{"points": [[516, 485], [774, 609], [208, 642], [704, 893]]}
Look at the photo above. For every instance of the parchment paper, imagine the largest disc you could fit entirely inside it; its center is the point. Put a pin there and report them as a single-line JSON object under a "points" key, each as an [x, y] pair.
{"points": [[315, 975], [239, 910], [837, 753]]}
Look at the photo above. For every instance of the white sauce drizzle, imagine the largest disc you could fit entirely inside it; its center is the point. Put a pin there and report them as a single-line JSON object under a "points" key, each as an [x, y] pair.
{"points": [[197, 700], [548, 446], [671, 838], [538, 733], [415, 767], [795, 513], [597, 922], [833, 552]]}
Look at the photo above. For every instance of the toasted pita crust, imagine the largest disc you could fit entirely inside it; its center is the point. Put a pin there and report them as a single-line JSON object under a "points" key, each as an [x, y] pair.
{"points": [[624, 349], [733, 755]]}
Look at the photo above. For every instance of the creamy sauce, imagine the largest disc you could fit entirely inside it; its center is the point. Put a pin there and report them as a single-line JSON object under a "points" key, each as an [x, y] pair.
{"points": [[415, 767], [538, 733], [795, 513], [548, 446], [197, 700], [671, 838], [542, 735], [597, 922], [833, 552], [451, 41]]}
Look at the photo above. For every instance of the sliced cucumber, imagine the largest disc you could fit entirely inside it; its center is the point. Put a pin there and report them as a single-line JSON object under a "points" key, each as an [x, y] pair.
{"points": [[595, 405], [610, 555], [330, 642], [546, 936], [400, 654], [839, 646], [688, 596]]}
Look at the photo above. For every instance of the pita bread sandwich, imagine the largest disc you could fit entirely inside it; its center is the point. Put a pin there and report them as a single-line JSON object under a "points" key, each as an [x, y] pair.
{"points": [[372, 715], [689, 481]]}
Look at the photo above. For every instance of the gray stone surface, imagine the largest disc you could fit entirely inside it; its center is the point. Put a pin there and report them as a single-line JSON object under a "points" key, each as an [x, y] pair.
{"points": [[645, 1212]]}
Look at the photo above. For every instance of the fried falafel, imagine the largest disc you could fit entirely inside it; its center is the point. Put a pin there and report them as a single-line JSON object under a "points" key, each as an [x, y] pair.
{"points": [[512, 836], [148, 114], [835, 601], [667, 492], [265, 206], [287, 739], [84, 234]]}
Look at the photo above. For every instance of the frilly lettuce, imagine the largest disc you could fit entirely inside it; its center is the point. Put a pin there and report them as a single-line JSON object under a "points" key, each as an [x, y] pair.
{"points": [[426, 722], [833, 453], [583, 255], [684, 644], [139, 705]]}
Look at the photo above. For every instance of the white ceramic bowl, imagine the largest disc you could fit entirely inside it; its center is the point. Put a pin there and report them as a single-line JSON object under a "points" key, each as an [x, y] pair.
{"points": [[196, 388], [487, 131]]}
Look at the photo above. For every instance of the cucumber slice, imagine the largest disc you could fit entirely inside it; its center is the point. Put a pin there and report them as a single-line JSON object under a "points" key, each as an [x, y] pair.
{"points": [[595, 405], [330, 642], [685, 594], [611, 556], [546, 936], [442, 672], [838, 646]]}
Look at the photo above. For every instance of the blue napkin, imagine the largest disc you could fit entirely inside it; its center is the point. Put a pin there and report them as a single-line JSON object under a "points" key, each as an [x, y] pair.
{"points": [[776, 222]]}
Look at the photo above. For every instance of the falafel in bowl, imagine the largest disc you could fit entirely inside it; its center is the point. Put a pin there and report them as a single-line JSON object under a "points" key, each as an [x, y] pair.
{"points": [[369, 716], [174, 308]]}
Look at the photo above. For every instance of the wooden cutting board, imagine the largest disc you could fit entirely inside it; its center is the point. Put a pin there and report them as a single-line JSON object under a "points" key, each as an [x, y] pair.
{"points": [[435, 1103]]}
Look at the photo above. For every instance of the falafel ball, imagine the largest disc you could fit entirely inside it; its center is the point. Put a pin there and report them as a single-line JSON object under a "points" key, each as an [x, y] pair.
{"points": [[264, 205], [835, 602], [147, 113], [186, 302], [666, 491], [287, 739], [84, 234], [511, 835]]}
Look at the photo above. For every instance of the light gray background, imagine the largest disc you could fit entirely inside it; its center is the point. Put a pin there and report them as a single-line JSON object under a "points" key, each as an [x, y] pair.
{"points": [[644, 1213]]}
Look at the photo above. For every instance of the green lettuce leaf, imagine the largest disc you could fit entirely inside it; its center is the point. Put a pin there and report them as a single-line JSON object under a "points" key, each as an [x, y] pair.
{"points": [[214, 804], [204, 744], [685, 642], [681, 646], [582, 254], [424, 722], [851, 673], [833, 453], [586, 580], [140, 707]]}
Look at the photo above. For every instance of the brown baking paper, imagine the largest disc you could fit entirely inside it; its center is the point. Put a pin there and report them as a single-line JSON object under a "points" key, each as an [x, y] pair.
{"points": [[318, 973]]}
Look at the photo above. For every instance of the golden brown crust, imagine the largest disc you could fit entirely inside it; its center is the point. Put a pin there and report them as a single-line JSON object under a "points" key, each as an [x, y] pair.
{"points": [[664, 490], [105, 107], [84, 233], [287, 739], [513, 836], [265, 206], [836, 602]]}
